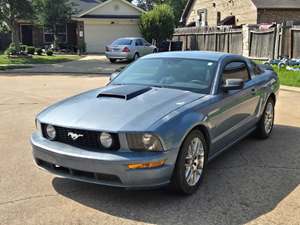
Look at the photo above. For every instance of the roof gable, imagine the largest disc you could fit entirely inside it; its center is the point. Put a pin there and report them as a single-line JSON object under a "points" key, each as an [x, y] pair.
{"points": [[114, 7], [260, 4]]}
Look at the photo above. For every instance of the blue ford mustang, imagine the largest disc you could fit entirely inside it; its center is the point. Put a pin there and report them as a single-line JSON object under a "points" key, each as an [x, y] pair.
{"points": [[158, 122]]}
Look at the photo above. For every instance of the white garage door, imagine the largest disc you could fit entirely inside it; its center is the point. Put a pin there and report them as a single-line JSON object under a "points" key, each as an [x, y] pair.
{"points": [[97, 36]]}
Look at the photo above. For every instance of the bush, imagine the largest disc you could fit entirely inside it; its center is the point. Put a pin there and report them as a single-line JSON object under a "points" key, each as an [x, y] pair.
{"points": [[11, 50], [23, 48], [49, 53], [39, 51], [30, 50], [158, 24]]}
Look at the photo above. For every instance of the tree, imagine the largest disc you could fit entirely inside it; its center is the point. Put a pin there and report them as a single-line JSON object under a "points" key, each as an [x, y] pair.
{"points": [[10, 12], [176, 5], [53, 13], [158, 23]]}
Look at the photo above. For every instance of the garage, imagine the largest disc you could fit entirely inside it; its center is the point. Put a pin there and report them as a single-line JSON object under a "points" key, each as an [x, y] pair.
{"points": [[108, 21], [97, 36]]}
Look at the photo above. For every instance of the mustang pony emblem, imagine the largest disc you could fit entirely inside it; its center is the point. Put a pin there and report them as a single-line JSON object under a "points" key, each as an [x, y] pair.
{"points": [[74, 136]]}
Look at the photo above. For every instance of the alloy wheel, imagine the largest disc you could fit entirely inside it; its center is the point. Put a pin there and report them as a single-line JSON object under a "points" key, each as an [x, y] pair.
{"points": [[269, 117], [194, 161]]}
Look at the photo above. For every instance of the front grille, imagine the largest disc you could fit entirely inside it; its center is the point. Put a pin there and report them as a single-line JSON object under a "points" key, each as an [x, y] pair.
{"points": [[60, 170], [88, 141]]}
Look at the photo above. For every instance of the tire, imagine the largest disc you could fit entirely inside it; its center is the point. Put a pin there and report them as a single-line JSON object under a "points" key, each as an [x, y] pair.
{"points": [[265, 125], [112, 60], [182, 182], [135, 57]]}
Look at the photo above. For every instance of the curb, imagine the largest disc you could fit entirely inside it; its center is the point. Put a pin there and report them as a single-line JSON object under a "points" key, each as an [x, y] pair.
{"points": [[288, 88]]}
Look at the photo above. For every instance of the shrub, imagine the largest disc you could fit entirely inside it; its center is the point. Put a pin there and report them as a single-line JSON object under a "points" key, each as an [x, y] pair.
{"points": [[23, 48], [11, 50], [39, 51], [30, 50], [49, 53], [158, 24]]}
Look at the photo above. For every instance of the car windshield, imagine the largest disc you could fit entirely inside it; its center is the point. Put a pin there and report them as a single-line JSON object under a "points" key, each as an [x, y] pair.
{"points": [[186, 74], [122, 41]]}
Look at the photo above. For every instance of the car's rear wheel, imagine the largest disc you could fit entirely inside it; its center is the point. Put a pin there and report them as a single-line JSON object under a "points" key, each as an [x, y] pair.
{"points": [[191, 164], [266, 123], [112, 60]]}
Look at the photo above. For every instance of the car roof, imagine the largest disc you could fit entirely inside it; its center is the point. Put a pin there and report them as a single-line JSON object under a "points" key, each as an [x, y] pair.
{"points": [[204, 55], [130, 38]]}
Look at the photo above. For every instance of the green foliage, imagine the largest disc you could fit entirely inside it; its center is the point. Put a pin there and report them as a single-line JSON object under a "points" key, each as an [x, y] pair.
{"points": [[10, 12], [39, 51], [49, 53], [176, 5], [158, 24], [11, 50], [23, 48], [30, 50], [52, 13]]}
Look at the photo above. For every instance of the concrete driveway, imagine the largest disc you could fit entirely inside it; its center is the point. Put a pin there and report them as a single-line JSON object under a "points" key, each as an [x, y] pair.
{"points": [[256, 182], [92, 64]]}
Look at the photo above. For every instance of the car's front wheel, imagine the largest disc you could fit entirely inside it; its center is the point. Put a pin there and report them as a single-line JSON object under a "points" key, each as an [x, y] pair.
{"points": [[266, 123], [191, 163]]}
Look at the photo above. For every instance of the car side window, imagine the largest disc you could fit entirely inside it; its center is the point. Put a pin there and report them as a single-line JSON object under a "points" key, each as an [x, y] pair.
{"points": [[139, 42], [256, 69], [236, 70]]}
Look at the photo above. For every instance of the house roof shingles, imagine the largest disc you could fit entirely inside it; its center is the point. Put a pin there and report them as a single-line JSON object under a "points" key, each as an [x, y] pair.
{"points": [[85, 5], [277, 4]]}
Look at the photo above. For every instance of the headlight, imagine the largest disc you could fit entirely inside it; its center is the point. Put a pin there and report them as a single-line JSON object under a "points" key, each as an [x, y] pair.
{"points": [[142, 142], [50, 132], [106, 140]]}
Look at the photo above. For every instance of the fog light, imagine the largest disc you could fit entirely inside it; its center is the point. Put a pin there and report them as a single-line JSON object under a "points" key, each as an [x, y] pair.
{"points": [[147, 165], [106, 140], [51, 132]]}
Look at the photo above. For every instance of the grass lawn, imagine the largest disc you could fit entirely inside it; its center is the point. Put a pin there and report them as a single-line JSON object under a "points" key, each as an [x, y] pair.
{"points": [[289, 78], [39, 59]]}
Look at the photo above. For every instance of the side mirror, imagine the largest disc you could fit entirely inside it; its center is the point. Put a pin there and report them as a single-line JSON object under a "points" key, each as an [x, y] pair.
{"points": [[233, 84]]}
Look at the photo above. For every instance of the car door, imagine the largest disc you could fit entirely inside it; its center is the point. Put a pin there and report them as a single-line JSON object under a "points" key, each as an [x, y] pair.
{"points": [[147, 47], [140, 47], [234, 113]]}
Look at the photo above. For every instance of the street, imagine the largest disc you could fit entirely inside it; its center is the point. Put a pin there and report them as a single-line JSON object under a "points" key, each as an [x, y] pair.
{"points": [[255, 182]]}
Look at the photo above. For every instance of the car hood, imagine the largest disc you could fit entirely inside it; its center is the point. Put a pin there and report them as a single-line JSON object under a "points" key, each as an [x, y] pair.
{"points": [[117, 108]]}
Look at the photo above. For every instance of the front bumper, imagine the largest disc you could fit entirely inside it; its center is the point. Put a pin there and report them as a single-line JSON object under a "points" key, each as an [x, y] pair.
{"points": [[105, 168], [119, 55]]}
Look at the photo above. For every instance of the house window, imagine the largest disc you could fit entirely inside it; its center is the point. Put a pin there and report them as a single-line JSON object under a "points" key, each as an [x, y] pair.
{"points": [[49, 34], [202, 17]]}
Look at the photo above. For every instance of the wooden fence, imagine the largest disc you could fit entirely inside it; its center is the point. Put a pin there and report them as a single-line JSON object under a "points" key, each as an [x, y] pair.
{"points": [[230, 41], [295, 42], [251, 42]]}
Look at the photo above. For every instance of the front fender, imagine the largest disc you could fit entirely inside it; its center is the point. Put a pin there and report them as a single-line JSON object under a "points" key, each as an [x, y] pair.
{"points": [[174, 127]]}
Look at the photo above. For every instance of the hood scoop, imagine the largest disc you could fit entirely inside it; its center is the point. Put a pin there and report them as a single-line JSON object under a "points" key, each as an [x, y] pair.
{"points": [[125, 92]]}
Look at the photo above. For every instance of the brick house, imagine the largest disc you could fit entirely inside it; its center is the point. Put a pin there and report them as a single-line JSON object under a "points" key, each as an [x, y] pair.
{"points": [[97, 23], [239, 12]]}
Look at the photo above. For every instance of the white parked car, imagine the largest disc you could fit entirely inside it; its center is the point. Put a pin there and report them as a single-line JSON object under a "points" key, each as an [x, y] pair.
{"points": [[130, 48]]}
